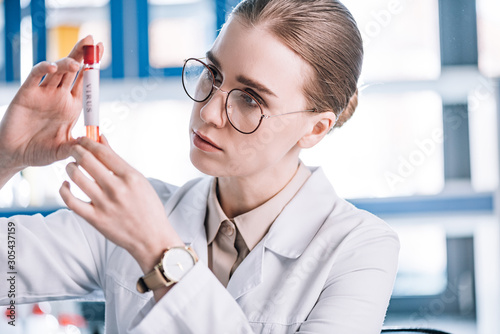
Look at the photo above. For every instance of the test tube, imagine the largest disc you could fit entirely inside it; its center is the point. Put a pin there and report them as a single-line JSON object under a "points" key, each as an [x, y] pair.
{"points": [[91, 71]]}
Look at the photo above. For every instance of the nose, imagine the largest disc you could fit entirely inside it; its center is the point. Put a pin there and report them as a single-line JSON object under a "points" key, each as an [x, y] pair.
{"points": [[213, 110]]}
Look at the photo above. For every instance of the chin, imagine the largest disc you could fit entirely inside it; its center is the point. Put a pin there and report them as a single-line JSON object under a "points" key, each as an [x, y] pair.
{"points": [[203, 163], [213, 167]]}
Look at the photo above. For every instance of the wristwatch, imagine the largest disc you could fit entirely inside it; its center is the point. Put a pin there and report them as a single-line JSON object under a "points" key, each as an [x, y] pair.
{"points": [[174, 264]]}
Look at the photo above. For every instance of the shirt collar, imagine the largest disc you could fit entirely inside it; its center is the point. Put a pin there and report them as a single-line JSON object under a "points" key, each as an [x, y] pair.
{"points": [[215, 214], [253, 225]]}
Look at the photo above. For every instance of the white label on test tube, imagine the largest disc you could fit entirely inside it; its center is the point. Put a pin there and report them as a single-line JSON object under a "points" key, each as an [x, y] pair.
{"points": [[91, 97]]}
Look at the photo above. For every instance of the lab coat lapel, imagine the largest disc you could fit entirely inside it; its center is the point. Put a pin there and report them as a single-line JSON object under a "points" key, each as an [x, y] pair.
{"points": [[290, 234], [186, 211], [302, 218], [248, 275]]}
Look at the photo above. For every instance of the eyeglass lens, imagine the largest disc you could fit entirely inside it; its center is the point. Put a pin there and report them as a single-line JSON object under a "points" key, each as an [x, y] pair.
{"points": [[243, 111]]}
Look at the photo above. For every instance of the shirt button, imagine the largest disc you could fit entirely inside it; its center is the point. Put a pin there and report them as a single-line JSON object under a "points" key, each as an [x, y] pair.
{"points": [[227, 228]]}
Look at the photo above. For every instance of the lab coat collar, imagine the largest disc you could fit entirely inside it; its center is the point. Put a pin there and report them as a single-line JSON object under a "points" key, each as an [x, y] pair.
{"points": [[289, 235], [186, 210], [301, 219]]}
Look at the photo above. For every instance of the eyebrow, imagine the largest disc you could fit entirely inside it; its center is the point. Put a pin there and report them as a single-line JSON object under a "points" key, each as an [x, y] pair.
{"points": [[210, 56], [255, 85], [242, 79]]}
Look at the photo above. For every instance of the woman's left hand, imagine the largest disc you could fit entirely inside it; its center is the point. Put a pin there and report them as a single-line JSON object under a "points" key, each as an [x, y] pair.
{"points": [[124, 206]]}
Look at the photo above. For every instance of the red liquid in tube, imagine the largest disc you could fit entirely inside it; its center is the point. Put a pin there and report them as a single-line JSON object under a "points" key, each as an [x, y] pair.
{"points": [[91, 73]]}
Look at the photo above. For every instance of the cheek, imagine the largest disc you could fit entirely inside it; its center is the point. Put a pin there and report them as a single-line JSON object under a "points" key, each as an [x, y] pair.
{"points": [[269, 143], [195, 113], [277, 134], [247, 154]]}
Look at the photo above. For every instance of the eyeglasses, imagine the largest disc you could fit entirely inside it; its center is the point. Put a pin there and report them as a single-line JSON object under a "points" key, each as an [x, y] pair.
{"points": [[243, 110]]}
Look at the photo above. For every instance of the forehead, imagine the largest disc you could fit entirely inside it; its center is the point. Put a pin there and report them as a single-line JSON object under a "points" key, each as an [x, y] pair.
{"points": [[253, 52]]}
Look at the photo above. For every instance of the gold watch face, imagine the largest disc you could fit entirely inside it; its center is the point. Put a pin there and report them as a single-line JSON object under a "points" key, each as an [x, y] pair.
{"points": [[177, 262]]}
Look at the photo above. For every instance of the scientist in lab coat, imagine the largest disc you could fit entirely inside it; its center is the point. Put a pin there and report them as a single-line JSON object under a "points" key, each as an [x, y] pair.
{"points": [[262, 244]]}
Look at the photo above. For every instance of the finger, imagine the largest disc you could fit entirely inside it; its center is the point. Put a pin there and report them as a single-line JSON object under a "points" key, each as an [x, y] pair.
{"points": [[104, 141], [37, 73], [93, 166], [64, 149], [77, 89], [106, 155], [64, 66], [83, 209], [101, 50], [77, 52], [69, 78], [89, 187]]}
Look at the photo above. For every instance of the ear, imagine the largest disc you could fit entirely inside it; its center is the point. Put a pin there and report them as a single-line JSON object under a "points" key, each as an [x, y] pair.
{"points": [[321, 125]]}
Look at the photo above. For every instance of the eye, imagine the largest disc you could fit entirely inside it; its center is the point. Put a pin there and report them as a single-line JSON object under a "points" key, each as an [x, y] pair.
{"points": [[247, 103], [216, 75], [255, 96], [243, 102], [248, 100]]}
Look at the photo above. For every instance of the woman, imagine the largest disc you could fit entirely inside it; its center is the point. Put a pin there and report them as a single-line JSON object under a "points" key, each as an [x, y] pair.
{"points": [[278, 251]]}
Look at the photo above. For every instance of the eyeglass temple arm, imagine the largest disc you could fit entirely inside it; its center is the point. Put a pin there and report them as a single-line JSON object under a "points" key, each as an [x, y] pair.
{"points": [[264, 116], [288, 113]]}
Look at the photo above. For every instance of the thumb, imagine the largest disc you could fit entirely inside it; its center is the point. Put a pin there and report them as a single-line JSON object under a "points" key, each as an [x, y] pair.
{"points": [[64, 150], [104, 141]]}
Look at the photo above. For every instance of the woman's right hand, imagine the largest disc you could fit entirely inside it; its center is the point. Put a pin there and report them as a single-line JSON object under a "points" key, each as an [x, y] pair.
{"points": [[36, 128]]}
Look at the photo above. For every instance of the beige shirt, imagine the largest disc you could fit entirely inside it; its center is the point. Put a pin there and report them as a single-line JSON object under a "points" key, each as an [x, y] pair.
{"points": [[231, 239]]}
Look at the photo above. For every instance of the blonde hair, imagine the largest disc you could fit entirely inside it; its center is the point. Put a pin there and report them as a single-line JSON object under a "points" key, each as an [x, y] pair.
{"points": [[326, 36]]}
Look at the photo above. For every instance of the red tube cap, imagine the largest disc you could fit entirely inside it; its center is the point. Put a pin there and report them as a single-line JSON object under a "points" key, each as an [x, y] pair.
{"points": [[90, 54]]}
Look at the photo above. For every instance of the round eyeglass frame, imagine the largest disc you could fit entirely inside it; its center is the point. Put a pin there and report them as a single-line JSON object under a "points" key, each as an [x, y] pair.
{"points": [[263, 116]]}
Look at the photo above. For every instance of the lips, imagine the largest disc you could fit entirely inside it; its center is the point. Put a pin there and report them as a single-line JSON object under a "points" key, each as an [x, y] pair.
{"points": [[204, 143]]}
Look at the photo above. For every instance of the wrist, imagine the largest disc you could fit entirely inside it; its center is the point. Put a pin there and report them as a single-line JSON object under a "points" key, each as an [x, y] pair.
{"points": [[149, 261], [150, 256], [7, 172], [8, 161], [175, 263]]}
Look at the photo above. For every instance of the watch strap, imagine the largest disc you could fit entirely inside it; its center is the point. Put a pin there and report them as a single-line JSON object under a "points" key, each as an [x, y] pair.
{"points": [[156, 279], [153, 280]]}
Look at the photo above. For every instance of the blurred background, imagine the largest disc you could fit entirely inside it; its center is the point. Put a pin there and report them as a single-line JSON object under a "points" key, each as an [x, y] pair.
{"points": [[421, 151]]}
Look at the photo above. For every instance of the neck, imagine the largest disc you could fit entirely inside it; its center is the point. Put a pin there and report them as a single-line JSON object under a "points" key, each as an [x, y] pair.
{"points": [[241, 194]]}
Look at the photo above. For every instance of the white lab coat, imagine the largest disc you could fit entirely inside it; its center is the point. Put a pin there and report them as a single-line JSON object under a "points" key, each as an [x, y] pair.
{"points": [[324, 267]]}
